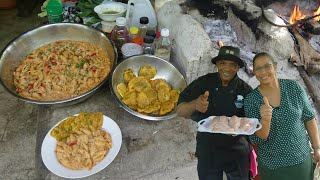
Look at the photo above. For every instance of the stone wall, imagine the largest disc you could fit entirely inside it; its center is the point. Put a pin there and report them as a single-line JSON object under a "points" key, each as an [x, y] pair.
{"points": [[192, 47]]}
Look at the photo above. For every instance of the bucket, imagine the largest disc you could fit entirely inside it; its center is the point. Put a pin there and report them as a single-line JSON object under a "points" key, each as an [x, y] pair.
{"points": [[140, 8]]}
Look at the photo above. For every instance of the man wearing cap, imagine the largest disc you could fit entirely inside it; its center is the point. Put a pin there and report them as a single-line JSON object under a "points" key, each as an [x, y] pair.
{"points": [[219, 94]]}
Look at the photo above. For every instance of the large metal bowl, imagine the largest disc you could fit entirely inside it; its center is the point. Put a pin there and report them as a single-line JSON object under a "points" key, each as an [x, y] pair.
{"points": [[17, 49], [165, 71]]}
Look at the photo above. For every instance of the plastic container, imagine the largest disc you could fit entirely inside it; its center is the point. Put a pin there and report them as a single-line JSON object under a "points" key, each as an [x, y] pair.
{"points": [[120, 33], [148, 46], [55, 11], [163, 45], [141, 8], [131, 49], [144, 25]]}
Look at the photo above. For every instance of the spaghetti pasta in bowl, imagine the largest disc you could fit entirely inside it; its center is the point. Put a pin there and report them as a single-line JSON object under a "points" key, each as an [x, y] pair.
{"points": [[86, 151], [57, 64]]}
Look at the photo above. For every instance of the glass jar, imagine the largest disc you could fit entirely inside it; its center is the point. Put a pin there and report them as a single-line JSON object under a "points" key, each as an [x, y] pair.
{"points": [[120, 34], [148, 46], [163, 45]]}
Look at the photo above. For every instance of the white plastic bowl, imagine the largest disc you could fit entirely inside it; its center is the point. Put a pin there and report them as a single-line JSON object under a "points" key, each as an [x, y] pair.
{"points": [[111, 6]]}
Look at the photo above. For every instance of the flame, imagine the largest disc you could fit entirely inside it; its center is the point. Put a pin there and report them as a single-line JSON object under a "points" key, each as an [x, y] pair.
{"points": [[316, 13], [296, 15], [220, 43]]}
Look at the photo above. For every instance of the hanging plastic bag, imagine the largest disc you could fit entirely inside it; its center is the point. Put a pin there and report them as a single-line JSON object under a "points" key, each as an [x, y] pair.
{"points": [[316, 175]]}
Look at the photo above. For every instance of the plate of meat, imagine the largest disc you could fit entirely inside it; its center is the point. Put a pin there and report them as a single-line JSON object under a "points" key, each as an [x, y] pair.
{"points": [[229, 125]]}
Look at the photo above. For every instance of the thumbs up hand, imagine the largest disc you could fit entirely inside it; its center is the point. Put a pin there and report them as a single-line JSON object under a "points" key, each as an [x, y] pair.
{"points": [[266, 110], [202, 102]]}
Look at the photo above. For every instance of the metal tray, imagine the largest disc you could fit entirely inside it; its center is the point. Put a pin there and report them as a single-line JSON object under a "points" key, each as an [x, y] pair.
{"points": [[255, 126]]}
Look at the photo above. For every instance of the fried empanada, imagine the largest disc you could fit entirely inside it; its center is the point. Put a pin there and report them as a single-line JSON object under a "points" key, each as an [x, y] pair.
{"points": [[122, 89], [166, 107], [174, 95], [151, 94], [142, 100], [163, 95], [154, 107], [147, 71], [130, 99], [128, 75], [139, 84], [160, 84]]}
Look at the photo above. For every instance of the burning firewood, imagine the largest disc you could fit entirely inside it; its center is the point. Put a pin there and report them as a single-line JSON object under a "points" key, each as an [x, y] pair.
{"points": [[313, 27], [306, 56]]}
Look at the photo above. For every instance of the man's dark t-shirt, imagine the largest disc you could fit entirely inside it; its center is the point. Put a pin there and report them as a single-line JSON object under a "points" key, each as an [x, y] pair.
{"points": [[218, 147]]}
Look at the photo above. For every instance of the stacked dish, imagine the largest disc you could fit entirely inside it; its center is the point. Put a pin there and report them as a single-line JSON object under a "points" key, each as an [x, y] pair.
{"points": [[109, 12]]}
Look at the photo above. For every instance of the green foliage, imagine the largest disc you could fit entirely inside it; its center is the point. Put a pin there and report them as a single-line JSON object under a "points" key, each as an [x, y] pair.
{"points": [[86, 7]]}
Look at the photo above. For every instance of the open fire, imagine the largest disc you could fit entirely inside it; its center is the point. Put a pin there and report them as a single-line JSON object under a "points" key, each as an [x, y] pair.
{"points": [[297, 15], [316, 13]]}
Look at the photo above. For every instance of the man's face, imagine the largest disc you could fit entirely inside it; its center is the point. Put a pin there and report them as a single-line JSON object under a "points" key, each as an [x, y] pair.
{"points": [[227, 70]]}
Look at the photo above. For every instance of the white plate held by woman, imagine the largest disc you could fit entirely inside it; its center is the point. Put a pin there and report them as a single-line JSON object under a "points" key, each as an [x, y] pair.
{"points": [[50, 159]]}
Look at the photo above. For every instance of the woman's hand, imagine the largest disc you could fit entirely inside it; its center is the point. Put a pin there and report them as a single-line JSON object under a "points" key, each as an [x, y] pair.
{"points": [[202, 102], [316, 155], [266, 110]]}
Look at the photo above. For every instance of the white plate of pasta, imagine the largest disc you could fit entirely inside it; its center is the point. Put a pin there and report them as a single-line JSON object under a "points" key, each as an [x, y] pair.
{"points": [[52, 159]]}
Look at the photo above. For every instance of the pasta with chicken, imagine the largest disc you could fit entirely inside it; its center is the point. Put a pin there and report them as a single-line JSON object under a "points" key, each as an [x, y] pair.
{"points": [[84, 149], [61, 70]]}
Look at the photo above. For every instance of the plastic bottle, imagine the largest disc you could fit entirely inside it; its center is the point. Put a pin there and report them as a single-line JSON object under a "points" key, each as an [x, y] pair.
{"points": [[55, 11], [140, 8], [133, 32], [163, 45], [148, 46], [151, 33], [144, 25], [120, 34], [135, 36]]}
